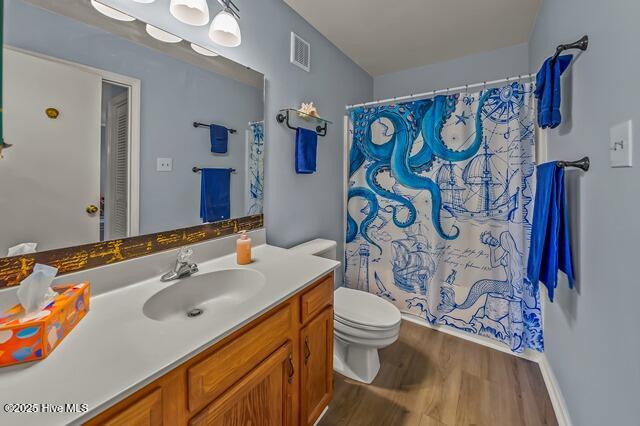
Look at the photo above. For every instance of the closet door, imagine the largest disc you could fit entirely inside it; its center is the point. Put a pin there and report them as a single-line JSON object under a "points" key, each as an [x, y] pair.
{"points": [[316, 339]]}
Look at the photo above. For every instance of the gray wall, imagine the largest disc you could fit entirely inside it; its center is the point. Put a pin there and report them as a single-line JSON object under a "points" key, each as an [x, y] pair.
{"points": [[297, 207], [591, 333], [174, 94], [486, 66]]}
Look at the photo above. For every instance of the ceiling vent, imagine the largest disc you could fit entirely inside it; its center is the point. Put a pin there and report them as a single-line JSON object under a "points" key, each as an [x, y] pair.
{"points": [[300, 52]]}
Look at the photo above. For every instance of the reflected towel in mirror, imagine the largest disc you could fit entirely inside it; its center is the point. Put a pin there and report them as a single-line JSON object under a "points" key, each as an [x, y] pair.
{"points": [[215, 194]]}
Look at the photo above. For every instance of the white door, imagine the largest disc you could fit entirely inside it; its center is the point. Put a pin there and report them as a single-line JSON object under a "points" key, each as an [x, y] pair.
{"points": [[54, 164]]}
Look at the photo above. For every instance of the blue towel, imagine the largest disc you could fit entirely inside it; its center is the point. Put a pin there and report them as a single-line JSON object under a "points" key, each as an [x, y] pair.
{"points": [[306, 147], [219, 138], [215, 194], [548, 91], [550, 247]]}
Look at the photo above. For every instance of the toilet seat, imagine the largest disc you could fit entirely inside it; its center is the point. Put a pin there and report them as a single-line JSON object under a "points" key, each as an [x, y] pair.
{"points": [[352, 324], [364, 310], [350, 333]]}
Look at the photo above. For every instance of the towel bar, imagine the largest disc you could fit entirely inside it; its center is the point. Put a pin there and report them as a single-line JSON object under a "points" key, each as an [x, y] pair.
{"points": [[283, 117], [196, 124], [582, 163], [581, 44], [197, 169]]}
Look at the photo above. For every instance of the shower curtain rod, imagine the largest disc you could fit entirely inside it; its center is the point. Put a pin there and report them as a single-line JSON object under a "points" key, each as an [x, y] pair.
{"points": [[437, 92]]}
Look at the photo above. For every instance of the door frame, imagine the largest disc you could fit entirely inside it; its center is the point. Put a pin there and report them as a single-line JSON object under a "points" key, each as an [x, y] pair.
{"points": [[134, 86]]}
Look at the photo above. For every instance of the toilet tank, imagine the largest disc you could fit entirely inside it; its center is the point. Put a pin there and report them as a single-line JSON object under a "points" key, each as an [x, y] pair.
{"points": [[318, 247]]}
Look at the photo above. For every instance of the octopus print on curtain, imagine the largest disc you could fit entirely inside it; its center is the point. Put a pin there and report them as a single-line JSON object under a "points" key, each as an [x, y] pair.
{"points": [[255, 168], [439, 211]]}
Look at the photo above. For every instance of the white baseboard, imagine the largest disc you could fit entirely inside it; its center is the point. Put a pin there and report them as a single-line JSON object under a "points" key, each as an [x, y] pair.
{"points": [[481, 340], [321, 415], [553, 388], [550, 381]]}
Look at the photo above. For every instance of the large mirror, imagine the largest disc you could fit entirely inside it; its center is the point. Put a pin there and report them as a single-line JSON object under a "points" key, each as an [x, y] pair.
{"points": [[114, 128]]}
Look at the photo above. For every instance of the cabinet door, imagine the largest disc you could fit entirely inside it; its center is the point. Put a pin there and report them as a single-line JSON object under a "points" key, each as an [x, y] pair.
{"points": [[317, 366], [145, 411], [262, 398]]}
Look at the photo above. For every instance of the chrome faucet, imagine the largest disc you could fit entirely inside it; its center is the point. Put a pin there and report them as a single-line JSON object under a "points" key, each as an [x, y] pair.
{"points": [[183, 268]]}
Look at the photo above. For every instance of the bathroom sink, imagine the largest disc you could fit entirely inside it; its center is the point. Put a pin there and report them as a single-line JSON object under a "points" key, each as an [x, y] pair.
{"points": [[204, 294]]}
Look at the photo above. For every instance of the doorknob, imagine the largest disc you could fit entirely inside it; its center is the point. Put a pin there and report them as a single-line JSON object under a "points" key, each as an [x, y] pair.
{"points": [[91, 209]]}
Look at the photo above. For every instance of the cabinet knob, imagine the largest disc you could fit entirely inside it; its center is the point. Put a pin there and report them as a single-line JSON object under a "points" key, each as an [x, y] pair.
{"points": [[92, 209]]}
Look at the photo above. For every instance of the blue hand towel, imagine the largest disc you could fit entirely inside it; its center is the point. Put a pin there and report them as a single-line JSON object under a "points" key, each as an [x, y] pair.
{"points": [[219, 138], [550, 247], [215, 194], [306, 147], [548, 91]]}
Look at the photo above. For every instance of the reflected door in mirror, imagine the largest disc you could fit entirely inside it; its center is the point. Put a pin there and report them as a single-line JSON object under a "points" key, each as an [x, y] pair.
{"points": [[51, 174]]}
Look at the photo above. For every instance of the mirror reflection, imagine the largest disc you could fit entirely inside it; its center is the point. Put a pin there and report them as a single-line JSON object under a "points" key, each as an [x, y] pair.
{"points": [[118, 129]]}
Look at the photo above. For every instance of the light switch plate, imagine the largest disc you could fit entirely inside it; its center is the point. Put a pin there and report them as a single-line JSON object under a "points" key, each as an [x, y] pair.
{"points": [[164, 165], [621, 144]]}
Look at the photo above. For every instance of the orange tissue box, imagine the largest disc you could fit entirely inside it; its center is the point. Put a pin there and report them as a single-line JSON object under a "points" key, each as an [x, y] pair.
{"points": [[33, 337]]}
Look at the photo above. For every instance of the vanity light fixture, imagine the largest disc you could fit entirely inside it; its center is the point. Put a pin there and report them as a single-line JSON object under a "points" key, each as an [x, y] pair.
{"points": [[192, 12], [111, 12], [162, 35], [225, 29], [144, 1], [203, 51]]}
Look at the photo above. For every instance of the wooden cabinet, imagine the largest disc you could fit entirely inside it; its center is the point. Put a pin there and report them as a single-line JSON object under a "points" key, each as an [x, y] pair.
{"points": [[276, 370], [317, 366], [262, 398], [145, 411]]}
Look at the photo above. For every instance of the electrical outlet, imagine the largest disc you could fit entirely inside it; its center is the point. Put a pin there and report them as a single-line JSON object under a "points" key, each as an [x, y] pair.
{"points": [[621, 144], [164, 165]]}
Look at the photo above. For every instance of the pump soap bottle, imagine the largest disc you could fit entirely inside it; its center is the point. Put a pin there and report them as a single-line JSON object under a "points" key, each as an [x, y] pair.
{"points": [[243, 249]]}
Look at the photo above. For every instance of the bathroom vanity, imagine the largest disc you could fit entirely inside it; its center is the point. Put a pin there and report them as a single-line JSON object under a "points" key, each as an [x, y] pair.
{"points": [[259, 352], [276, 370]]}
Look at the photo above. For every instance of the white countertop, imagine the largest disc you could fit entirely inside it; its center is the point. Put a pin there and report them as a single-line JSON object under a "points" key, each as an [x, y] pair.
{"points": [[116, 350]]}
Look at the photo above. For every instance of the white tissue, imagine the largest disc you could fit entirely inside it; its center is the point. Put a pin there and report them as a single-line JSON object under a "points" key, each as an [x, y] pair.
{"points": [[24, 248], [35, 291]]}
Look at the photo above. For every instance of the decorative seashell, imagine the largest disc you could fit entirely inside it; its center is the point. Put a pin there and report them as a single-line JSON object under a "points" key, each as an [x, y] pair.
{"points": [[308, 109]]}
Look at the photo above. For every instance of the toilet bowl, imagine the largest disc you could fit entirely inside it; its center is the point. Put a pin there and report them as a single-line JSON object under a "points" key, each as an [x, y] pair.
{"points": [[363, 323]]}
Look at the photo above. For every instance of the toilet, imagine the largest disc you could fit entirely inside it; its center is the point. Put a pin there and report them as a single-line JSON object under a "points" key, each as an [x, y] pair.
{"points": [[363, 323]]}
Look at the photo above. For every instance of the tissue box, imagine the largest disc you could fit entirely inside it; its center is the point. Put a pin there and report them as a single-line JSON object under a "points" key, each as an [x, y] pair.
{"points": [[33, 337]]}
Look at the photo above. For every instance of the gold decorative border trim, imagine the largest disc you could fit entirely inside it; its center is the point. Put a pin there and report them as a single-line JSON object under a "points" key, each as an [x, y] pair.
{"points": [[79, 258]]}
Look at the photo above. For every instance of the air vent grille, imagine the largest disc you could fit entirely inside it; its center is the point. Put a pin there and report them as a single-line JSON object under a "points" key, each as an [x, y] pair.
{"points": [[300, 52]]}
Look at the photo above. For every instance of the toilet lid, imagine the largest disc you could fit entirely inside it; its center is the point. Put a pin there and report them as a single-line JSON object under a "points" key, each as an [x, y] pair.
{"points": [[364, 308]]}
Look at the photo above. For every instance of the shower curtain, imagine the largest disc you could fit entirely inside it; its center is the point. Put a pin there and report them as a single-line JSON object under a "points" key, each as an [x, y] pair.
{"points": [[255, 168], [439, 211]]}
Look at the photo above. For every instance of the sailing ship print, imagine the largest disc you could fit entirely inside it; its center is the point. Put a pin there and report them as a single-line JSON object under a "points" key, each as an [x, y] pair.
{"points": [[481, 192], [413, 265]]}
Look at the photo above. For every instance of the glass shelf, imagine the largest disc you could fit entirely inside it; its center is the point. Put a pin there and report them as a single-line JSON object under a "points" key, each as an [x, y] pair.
{"points": [[305, 116]]}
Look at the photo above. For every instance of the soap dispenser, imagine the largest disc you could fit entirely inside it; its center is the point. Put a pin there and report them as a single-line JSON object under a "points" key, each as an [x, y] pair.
{"points": [[243, 249]]}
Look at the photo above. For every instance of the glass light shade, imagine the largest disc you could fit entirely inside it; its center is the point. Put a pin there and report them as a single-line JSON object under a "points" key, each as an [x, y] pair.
{"points": [[203, 51], [225, 30], [192, 12], [162, 35], [144, 1], [111, 12]]}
